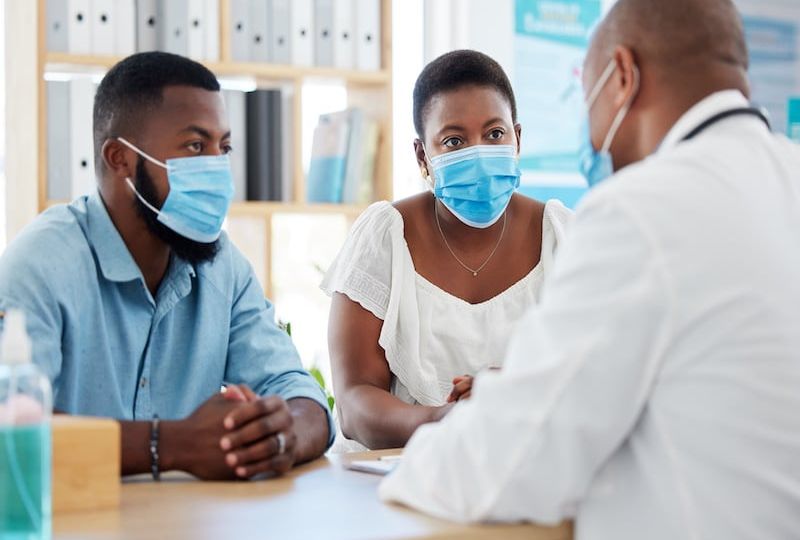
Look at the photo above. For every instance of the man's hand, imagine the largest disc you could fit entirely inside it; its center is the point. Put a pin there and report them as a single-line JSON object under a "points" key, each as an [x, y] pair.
{"points": [[192, 444], [252, 441]]}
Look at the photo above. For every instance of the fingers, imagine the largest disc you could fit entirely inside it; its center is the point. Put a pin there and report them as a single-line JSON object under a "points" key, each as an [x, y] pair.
{"points": [[240, 393], [465, 395], [278, 464], [233, 393], [262, 422], [262, 450], [252, 410], [458, 385], [463, 386], [248, 393]]}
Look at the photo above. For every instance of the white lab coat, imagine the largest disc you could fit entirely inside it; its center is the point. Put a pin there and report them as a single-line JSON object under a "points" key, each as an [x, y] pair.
{"points": [[655, 391]]}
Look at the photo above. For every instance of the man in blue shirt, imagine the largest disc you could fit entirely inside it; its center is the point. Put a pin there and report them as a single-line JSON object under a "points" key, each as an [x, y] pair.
{"points": [[139, 308]]}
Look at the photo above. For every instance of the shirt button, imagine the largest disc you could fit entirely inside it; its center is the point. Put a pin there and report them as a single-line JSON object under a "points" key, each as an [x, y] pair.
{"points": [[143, 382]]}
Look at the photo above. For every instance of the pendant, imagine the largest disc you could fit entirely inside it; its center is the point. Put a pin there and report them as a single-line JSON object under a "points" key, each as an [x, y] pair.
{"points": [[474, 274]]}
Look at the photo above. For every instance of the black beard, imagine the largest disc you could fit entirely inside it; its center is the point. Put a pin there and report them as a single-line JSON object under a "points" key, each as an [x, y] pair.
{"points": [[185, 248]]}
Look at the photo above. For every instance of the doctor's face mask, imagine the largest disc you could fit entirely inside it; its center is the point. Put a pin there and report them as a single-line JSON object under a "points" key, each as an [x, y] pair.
{"points": [[595, 165]]}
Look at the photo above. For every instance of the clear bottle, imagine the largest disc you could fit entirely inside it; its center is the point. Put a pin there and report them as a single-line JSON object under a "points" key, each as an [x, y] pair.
{"points": [[25, 445]]}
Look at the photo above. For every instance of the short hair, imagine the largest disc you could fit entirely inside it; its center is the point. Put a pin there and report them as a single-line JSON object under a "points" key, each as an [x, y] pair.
{"points": [[674, 31], [455, 70], [136, 85]]}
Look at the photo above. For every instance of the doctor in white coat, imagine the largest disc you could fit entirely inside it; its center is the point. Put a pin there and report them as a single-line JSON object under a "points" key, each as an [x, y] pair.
{"points": [[655, 391]]}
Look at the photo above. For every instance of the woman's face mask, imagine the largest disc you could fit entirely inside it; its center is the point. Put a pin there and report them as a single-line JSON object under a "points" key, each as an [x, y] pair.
{"points": [[476, 183]]}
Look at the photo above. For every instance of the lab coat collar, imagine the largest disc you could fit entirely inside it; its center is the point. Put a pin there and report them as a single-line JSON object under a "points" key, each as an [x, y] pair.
{"points": [[703, 110]]}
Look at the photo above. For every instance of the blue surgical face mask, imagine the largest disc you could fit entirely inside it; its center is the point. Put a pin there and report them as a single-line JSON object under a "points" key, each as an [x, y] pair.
{"points": [[597, 166], [476, 183], [200, 194]]}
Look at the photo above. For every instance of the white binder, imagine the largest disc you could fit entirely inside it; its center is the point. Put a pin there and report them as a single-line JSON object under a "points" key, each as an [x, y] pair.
{"points": [[102, 27], [344, 42], [235, 102], [59, 185], [148, 25], [124, 27], [260, 41], [240, 30], [301, 43], [196, 29], [280, 30], [323, 32], [174, 16], [68, 23], [81, 98], [211, 15], [368, 35]]}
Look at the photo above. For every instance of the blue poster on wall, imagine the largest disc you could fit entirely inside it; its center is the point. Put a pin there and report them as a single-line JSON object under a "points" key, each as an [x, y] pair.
{"points": [[774, 66], [793, 129], [550, 42]]}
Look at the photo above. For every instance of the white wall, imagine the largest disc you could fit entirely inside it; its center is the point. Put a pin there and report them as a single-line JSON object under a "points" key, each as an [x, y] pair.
{"points": [[486, 26]]}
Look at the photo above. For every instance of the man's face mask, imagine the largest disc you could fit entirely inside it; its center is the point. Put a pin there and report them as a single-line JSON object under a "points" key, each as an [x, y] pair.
{"points": [[597, 166], [200, 194]]}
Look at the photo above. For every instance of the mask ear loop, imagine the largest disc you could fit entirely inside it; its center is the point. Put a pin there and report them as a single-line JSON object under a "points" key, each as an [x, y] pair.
{"points": [[155, 210], [601, 83], [425, 172], [142, 153], [623, 112]]}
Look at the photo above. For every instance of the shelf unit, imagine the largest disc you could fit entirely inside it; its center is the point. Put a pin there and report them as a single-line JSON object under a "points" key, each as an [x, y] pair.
{"points": [[371, 91]]}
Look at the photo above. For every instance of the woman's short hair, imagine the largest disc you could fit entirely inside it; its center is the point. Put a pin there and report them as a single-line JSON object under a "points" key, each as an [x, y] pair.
{"points": [[456, 70]]}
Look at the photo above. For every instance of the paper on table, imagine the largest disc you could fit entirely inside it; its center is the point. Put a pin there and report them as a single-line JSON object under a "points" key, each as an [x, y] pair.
{"points": [[380, 467]]}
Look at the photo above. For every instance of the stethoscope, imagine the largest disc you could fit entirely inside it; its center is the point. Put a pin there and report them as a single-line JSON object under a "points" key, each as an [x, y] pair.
{"points": [[743, 111]]}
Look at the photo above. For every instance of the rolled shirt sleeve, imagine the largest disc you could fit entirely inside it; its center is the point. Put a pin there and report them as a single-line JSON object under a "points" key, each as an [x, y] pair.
{"points": [[261, 354]]}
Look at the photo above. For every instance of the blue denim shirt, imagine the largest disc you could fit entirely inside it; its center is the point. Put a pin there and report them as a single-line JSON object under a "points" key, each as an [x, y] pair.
{"points": [[111, 349]]}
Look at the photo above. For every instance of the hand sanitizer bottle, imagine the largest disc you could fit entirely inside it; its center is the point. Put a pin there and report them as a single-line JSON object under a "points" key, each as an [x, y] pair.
{"points": [[25, 447]]}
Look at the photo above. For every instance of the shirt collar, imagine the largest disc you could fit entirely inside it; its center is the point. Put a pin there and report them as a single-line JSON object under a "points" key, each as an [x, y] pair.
{"points": [[116, 262], [703, 110]]}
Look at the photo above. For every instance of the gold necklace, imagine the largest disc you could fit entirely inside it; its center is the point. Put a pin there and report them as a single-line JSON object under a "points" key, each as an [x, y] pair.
{"points": [[474, 271]]}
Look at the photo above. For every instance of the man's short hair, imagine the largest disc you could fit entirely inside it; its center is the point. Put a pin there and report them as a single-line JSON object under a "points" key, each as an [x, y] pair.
{"points": [[135, 86]]}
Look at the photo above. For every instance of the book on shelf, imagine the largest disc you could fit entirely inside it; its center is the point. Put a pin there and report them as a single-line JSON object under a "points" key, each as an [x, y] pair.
{"points": [[264, 145], [343, 158]]}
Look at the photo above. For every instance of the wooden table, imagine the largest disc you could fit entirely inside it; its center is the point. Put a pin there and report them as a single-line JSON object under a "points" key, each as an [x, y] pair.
{"points": [[318, 500]]}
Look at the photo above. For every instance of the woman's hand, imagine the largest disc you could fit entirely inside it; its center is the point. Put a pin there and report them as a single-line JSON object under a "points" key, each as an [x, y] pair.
{"points": [[462, 388]]}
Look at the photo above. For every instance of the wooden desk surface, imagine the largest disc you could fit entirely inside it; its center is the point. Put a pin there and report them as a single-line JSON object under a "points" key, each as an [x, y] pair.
{"points": [[318, 500]]}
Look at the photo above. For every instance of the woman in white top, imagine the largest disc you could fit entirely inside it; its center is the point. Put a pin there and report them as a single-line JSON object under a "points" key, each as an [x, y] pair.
{"points": [[426, 291]]}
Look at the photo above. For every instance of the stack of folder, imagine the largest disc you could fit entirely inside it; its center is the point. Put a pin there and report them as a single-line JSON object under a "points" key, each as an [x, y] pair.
{"points": [[344, 34]]}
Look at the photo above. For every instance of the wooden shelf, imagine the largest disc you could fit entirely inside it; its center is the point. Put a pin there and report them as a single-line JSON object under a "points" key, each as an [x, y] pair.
{"points": [[268, 209], [71, 63], [242, 209]]}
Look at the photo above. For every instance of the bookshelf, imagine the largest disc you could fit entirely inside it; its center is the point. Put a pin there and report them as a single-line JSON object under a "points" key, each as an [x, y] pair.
{"points": [[27, 105]]}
